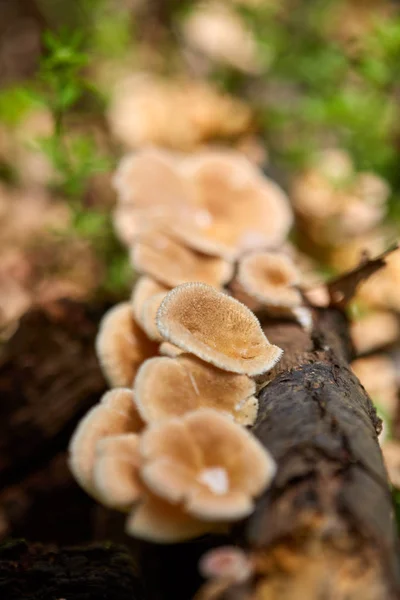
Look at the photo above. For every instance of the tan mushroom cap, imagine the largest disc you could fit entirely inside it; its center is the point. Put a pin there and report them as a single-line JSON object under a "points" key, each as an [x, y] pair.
{"points": [[149, 314], [168, 349], [170, 387], [146, 298], [115, 473], [270, 278], [201, 461], [150, 179], [242, 210], [216, 328], [156, 520], [122, 346], [115, 414], [171, 263], [145, 288], [127, 223]]}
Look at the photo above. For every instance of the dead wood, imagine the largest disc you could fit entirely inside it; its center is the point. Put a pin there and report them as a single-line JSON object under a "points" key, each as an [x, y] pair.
{"points": [[32, 571]]}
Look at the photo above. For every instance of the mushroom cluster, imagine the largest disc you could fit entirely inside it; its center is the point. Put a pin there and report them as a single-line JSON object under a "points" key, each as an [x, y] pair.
{"points": [[168, 444], [172, 451]]}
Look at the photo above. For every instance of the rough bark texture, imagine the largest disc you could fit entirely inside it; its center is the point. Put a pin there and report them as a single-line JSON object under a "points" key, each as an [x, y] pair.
{"points": [[49, 378], [324, 531], [44, 573]]}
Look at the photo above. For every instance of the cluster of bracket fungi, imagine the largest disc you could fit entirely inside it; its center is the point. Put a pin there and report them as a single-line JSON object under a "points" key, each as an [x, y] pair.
{"points": [[169, 444]]}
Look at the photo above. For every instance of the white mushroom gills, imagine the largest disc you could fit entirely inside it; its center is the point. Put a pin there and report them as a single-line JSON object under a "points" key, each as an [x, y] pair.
{"points": [[216, 479]]}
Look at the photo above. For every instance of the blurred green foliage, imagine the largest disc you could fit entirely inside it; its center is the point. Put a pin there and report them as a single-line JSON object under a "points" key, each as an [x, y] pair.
{"points": [[328, 93], [74, 156]]}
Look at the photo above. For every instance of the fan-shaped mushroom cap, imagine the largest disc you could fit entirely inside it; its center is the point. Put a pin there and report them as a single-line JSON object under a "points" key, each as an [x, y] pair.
{"points": [[168, 349], [171, 387], [115, 472], [156, 520], [201, 461], [121, 345], [150, 179], [216, 328], [115, 414], [172, 264], [242, 209], [270, 278]]}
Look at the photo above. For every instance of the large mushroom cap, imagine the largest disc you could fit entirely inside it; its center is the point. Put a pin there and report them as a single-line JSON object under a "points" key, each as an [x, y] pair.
{"points": [[201, 461], [216, 328], [242, 209], [172, 264], [270, 279], [171, 387], [122, 346], [116, 413]]}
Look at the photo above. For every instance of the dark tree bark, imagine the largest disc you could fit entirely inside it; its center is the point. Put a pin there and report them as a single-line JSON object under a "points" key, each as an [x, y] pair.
{"points": [[49, 378], [88, 573]]}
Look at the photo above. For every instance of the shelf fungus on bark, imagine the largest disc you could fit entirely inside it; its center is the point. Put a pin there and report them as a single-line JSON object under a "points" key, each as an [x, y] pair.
{"points": [[243, 210], [116, 413], [216, 328], [121, 345], [170, 387], [171, 263], [178, 478]]}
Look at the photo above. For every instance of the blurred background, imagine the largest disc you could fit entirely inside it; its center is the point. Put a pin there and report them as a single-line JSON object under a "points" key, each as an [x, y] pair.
{"points": [[309, 90]]}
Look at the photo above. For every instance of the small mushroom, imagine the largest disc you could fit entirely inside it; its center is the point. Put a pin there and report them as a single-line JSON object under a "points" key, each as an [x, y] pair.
{"points": [[115, 472], [156, 520], [201, 461], [270, 278], [171, 263], [242, 210], [146, 299], [226, 562], [122, 346], [216, 328], [145, 288], [116, 413], [170, 387], [149, 313]]}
